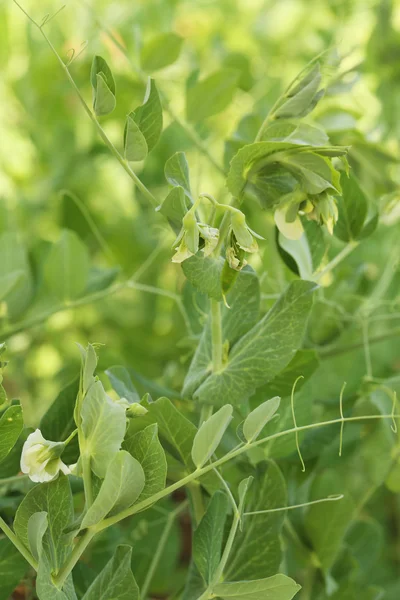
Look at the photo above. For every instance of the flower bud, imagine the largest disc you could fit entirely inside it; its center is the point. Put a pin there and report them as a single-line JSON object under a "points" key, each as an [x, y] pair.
{"points": [[243, 234], [40, 458], [136, 410]]}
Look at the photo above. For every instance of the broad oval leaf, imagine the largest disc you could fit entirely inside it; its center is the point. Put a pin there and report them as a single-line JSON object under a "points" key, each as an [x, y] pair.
{"points": [[263, 351], [11, 425], [103, 427], [259, 417], [103, 87], [121, 487], [174, 207], [210, 434], [145, 447], [121, 382], [277, 587], [135, 145], [177, 172], [208, 537], [66, 269], [16, 290], [149, 116], [211, 95], [161, 51], [55, 499], [116, 580]]}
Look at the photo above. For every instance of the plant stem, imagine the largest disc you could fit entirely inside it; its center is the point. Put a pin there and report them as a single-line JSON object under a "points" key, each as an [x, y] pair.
{"points": [[160, 548], [140, 506], [188, 129], [196, 498], [234, 454], [18, 544], [216, 335], [125, 165], [75, 555], [337, 260], [87, 478]]}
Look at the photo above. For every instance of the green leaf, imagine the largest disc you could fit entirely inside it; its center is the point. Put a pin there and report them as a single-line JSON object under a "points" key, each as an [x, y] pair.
{"points": [[209, 435], [304, 363], [122, 486], [263, 351], [259, 417], [243, 488], [161, 51], [37, 526], [204, 273], [135, 145], [66, 269], [103, 87], [301, 98], [145, 447], [327, 525], [366, 541], [177, 172], [212, 95], [13, 260], [244, 303], [208, 537], [55, 499], [12, 568], [149, 116], [9, 282], [103, 427], [121, 382], [58, 421], [256, 552], [175, 430], [277, 587], [116, 580], [11, 425], [353, 209], [174, 207]]}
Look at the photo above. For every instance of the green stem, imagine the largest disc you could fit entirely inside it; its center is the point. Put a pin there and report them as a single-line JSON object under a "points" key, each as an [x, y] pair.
{"points": [[337, 260], [189, 130], [18, 544], [140, 506], [87, 478], [125, 165], [75, 555], [160, 549], [216, 335], [196, 497], [71, 437]]}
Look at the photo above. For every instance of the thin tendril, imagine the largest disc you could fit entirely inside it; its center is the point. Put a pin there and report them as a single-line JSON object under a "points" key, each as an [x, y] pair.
{"points": [[342, 417], [331, 498], [394, 424], [296, 434], [47, 18]]}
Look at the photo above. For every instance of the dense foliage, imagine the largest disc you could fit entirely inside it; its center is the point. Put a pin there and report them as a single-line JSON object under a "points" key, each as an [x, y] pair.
{"points": [[199, 306]]}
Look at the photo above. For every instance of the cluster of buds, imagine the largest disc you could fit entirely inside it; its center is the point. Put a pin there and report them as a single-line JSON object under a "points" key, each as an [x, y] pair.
{"points": [[321, 208], [193, 237], [241, 239]]}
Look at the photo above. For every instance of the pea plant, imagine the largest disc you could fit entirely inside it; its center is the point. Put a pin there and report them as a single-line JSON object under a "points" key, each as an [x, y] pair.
{"points": [[274, 494]]}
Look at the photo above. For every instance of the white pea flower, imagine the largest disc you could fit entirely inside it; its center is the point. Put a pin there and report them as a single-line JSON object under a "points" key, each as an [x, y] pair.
{"points": [[40, 458]]}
